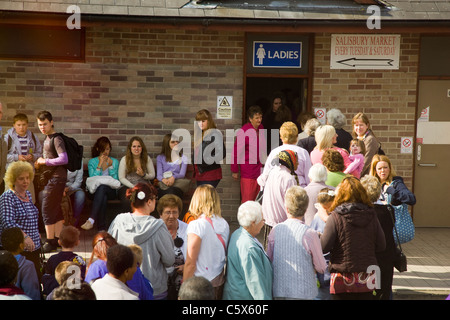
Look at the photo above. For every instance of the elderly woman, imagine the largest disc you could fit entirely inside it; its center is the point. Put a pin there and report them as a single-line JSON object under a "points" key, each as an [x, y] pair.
{"points": [[288, 134], [207, 239], [337, 119], [352, 214], [309, 142], [326, 138], [295, 251], [318, 175], [333, 161], [169, 208], [249, 270], [385, 214], [362, 131], [17, 209], [275, 184], [151, 234]]}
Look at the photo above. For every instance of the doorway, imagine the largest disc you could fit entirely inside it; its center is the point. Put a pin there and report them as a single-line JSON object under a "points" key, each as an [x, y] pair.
{"points": [[432, 171]]}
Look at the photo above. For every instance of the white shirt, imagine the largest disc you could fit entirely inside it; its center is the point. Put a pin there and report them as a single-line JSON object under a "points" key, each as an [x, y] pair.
{"points": [[109, 288], [211, 258]]}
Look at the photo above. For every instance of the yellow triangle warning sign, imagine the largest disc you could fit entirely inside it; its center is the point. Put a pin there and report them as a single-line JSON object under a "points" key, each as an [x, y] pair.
{"points": [[224, 102]]}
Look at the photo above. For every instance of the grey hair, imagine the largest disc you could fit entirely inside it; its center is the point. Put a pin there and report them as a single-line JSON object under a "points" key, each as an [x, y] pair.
{"points": [[296, 201], [372, 186], [311, 125], [336, 118], [318, 173], [249, 212]]}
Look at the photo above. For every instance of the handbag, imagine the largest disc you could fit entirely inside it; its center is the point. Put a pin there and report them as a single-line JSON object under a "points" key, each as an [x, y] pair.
{"points": [[404, 225], [400, 261]]}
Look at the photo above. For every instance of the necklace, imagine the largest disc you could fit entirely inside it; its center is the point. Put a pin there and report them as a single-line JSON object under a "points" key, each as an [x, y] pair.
{"points": [[23, 198]]}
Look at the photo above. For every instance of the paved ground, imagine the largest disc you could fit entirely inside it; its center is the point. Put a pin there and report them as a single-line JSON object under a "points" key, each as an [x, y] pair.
{"points": [[428, 275]]}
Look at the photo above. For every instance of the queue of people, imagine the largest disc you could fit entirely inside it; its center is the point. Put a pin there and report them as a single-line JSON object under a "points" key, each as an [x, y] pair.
{"points": [[322, 218]]}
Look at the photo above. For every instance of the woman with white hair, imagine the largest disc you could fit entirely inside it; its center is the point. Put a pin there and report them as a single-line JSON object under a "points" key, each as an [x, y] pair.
{"points": [[317, 175], [338, 120], [326, 138], [249, 271], [295, 251]]}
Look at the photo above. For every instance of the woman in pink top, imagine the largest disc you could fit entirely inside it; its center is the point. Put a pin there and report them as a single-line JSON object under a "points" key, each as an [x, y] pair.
{"points": [[326, 137], [249, 144]]}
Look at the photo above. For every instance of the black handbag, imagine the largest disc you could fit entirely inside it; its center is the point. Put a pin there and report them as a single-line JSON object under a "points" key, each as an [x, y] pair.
{"points": [[400, 261]]}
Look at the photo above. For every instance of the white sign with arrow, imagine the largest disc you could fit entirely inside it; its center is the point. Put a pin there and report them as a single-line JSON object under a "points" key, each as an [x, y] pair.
{"points": [[365, 51]]}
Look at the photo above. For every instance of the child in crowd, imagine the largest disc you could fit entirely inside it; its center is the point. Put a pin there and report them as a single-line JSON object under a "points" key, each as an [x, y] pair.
{"points": [[23, 145], [140, 283], [27, 279], [64, 271], [357, 152], [324, 200], [69, 238], [96, 268]]}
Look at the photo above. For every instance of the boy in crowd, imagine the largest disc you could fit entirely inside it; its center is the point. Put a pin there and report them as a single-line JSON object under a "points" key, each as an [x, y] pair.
{"points": [[69, 238]]}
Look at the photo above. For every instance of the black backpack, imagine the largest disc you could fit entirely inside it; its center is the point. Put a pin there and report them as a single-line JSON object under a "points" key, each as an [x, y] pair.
{"points": [[73, 149]]}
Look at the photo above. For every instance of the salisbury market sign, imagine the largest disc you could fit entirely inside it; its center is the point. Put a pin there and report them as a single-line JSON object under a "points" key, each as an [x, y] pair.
{"points": [[362, 51]]}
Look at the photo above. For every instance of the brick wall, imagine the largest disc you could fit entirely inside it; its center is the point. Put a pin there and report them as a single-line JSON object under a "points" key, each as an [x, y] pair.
{"points": [[134, 82], [388, 97], [148, 82]]}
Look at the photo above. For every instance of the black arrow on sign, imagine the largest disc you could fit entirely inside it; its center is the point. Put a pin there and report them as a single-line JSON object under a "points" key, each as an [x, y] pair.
{"points": [[356, 62]]}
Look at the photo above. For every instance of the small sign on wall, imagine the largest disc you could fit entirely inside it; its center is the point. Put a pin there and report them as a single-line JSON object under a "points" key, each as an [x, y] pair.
{"points": [[321, 114], [224, 107], [406, 145]]}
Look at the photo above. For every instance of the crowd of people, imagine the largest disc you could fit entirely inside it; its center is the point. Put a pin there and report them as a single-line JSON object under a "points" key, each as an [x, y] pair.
{"points": [[320, 203]]}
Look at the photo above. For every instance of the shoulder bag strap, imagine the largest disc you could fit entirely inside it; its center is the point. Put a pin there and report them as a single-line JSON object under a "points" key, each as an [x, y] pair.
{"points": [[218, 235]]}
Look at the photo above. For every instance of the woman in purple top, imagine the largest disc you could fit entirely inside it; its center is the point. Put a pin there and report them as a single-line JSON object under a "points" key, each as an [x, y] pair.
{"points": [[170, 166], [51, 165]]}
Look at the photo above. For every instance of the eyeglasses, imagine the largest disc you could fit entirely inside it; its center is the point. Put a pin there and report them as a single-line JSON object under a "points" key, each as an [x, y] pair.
{"points": [[173, 213]]}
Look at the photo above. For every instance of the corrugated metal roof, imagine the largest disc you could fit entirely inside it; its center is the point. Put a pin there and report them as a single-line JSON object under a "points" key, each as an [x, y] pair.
{"points": [[335, 10]]}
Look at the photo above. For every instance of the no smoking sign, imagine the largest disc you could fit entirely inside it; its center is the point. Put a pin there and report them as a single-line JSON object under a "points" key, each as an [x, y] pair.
{"points": [[321, 115], [406, 145]]}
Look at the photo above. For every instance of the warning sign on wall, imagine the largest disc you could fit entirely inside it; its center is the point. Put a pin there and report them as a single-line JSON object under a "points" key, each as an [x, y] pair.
{"points": [[365, 51], [406, 145], [224, 107]]}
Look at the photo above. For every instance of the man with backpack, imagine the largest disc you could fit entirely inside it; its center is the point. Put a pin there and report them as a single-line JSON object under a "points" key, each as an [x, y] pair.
{"points": [[52, 177]]}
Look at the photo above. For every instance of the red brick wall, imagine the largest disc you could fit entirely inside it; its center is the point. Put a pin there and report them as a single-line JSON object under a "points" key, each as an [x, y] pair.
{"points": [[144, 82]]}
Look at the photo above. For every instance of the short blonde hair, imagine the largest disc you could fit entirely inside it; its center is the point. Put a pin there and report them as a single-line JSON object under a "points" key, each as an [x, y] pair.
{"points": [[289, 132], [137, 251], [296, 201], [372, 186], [205, 200], [324, 136], [15, 169]]}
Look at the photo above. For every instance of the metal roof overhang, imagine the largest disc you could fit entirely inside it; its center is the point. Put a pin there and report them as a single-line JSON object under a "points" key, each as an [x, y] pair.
{"points": [[230, 24]]}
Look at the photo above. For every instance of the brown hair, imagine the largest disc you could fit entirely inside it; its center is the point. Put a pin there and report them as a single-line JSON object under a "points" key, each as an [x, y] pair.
{"points": [[134, 194], [333, 160], [100, 146], [361, 145], [171, 201], [373, 167], [129, 157], [69, 237], [350, 190], [100, 244]]}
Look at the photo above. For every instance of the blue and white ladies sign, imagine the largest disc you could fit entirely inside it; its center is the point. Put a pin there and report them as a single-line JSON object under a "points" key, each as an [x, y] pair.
{"points": [[277, 54]]}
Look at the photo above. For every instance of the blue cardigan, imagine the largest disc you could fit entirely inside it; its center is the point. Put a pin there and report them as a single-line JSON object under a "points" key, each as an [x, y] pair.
{"points": [[113, 172], [249, 271]]}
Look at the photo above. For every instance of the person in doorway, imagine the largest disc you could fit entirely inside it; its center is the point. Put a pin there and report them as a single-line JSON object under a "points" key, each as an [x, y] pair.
{"points": [[52, 171], [277, 114], [250, 144]]}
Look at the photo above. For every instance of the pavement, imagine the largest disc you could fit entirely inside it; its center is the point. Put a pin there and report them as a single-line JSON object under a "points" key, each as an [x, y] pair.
{"points": [[427, 277]]}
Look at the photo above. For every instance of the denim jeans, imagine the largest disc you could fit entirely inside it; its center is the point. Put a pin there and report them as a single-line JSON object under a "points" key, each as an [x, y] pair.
{"points": [[99, 202], [77, 198]]}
